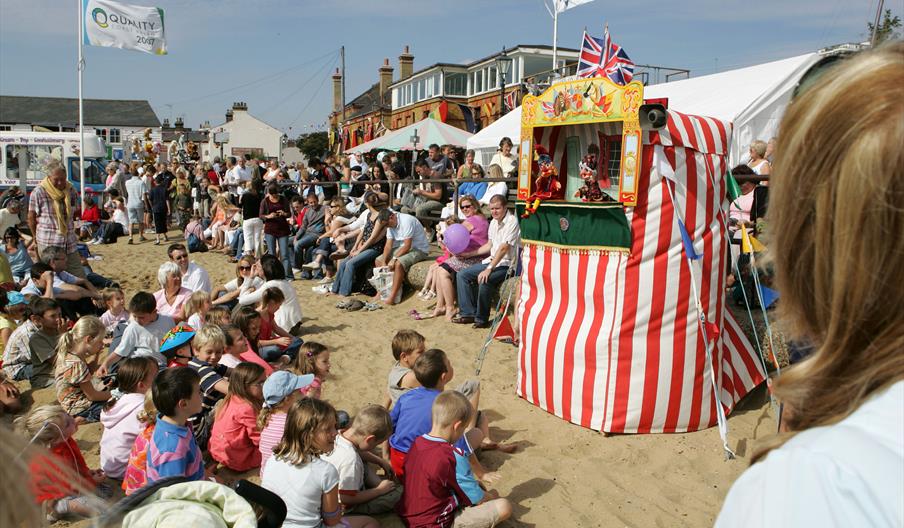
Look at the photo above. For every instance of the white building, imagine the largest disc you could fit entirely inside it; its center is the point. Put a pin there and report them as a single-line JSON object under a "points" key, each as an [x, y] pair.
{"points": [[246, 135], [116, 121]]}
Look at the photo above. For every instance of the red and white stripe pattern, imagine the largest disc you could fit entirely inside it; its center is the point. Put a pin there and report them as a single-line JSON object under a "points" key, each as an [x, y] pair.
{"points": [[611, 341]]}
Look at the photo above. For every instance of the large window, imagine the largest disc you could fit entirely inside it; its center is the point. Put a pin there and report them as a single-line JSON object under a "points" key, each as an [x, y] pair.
{"points": [[29, 161], [101, 133], [115, 136], [456, 84]]}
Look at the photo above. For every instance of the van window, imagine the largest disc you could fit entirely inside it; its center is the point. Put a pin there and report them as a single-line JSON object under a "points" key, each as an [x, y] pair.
{"points": [[29, 160], [94, 172]]}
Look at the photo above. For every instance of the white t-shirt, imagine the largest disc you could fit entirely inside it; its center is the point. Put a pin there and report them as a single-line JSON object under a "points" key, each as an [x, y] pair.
{"points": [[289, 313], [847, 474], [233, 285], [119, 216], [196, 278], [301, 488], [507, 233], [136, 189], [348, 463], [409, 227], [138, 341]]}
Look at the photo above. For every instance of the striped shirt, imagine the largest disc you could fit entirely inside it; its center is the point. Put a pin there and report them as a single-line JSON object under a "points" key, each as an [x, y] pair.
{"points": [[270, 436], [16, 354], [173, 452]]}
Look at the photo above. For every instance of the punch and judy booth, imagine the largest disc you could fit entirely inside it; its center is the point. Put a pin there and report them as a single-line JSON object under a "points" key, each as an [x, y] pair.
{"points": [[623, 323]]}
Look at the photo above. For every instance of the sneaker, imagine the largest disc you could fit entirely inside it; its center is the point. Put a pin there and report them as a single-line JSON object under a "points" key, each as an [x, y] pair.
{"points": [[323, 289], [325, 280], [311, 265]]}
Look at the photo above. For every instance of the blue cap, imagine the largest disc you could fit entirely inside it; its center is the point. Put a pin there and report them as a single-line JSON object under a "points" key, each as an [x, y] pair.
{"points": [[283, 383], [13, 298], [176, 338]]}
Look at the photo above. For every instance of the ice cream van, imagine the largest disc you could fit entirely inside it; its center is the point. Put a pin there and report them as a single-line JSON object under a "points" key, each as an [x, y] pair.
{"points": [[24, 157]]}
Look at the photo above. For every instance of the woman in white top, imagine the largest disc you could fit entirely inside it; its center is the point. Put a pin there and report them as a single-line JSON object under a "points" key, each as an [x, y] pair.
{"points": [[271, 270], [504, 157], [272, 171], [758, 162], [839, 265], [228, 294]]}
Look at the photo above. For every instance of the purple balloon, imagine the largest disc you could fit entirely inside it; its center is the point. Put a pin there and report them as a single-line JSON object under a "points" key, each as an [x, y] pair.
{"points": [[456, 238]]}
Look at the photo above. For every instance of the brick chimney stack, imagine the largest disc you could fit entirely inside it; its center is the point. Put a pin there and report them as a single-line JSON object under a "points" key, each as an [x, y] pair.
{"points": [[385, 79], [406, 64], [337, 92]]}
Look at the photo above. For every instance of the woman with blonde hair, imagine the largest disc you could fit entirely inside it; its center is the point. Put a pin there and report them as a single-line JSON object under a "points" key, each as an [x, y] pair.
{"points": [[836, 219], [758, 163]]}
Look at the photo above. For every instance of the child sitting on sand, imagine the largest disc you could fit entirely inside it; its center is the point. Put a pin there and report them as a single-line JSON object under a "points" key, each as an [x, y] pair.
{"points": [[143, 334], [235, 345], [74, 383], [60, 479], [196, 308], [248, 320], [432, 495], [135, 476], [273, 341], [172, 450], [307, 484], [120, 416], [234, 438], [407, 345], [207, 348], [218, 315], [281, 390], [361, 490], [48, 318], [313, 358], [116, 312]]}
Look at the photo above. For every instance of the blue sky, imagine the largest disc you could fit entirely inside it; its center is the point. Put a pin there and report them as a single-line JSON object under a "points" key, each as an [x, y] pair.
{"points": [[281, 53]]}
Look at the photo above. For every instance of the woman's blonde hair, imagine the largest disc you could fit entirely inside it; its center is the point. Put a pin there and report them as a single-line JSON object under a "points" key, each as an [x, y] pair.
{"points": [[86, 326], [307, 353], [836, 219], [247, 259], [240, 380], [43, 425], [305, 417], [194, 303], [759, 146]]}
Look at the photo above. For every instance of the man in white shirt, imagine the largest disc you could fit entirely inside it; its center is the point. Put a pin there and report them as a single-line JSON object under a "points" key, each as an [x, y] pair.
{"points": [[482, 279], [406, 244], [194, 277]]}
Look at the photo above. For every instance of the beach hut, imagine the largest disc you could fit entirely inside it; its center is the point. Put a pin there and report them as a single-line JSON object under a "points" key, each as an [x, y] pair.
{"points": [[622, 312]]}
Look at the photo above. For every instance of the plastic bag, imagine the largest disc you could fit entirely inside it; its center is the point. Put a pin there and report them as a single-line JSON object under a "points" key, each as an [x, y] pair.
{"points": [[382, 281]]}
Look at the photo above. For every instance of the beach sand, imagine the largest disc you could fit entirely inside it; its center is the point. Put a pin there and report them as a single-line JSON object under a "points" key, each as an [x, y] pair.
{"points": [[562, 474]]}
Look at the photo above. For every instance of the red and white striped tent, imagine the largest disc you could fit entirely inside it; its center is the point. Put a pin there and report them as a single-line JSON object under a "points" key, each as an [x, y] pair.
{"points": [[611, 340]]}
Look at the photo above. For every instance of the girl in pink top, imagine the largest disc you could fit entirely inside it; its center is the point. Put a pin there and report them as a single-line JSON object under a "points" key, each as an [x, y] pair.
{"points": [[281, 390], [248, 321], [313, 358], [234, 437]]}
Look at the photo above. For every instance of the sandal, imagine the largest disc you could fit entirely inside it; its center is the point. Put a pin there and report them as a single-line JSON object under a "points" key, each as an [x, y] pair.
{"points": [[458, 319], [342, 305], [372, 307], [417, 316]]}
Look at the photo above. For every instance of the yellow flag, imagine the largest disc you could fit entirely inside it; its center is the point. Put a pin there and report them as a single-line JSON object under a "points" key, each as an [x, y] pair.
{"points": [[749, 244]]}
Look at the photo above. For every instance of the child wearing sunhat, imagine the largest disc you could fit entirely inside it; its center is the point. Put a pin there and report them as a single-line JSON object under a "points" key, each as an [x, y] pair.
{"points": [[176, 346], [281, 390], [12, 311]]}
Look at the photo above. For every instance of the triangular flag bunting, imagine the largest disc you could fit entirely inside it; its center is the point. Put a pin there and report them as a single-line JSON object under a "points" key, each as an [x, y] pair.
{"points": [[769, 296], [504, 331], [749, 244], [688, 243], [734, 190]]}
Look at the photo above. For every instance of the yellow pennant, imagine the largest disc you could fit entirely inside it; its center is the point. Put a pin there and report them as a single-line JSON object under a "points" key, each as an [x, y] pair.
{"points": [[749, 244]]}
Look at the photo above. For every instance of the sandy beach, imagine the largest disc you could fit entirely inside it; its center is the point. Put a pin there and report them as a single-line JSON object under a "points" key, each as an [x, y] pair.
{"points": [[562, 474]]}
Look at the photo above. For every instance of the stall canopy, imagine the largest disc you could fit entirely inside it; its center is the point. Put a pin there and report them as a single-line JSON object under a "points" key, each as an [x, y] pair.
{"points": [[429, 131], [753, 99], [485, 142]]}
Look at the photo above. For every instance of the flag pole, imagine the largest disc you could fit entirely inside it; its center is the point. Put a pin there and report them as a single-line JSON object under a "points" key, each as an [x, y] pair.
{"points": [[81, 119], [555, 39]]}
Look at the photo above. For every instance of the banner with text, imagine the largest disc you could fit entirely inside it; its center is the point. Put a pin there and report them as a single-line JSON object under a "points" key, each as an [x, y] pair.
{"points": [[115, 25]]}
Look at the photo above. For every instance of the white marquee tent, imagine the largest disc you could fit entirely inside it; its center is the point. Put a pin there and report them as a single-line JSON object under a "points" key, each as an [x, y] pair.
{"points": [[753, 99]]}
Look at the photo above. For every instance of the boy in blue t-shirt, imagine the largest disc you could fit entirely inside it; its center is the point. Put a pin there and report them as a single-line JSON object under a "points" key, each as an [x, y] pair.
{"points": [[172, 450]]}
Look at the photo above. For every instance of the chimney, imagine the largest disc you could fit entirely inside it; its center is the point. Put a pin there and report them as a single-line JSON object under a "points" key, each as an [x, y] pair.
{"points": [[337, 92], [180, 124], [406, 64], [165, 123], [229, 115], [240, 106], [385, 79]]}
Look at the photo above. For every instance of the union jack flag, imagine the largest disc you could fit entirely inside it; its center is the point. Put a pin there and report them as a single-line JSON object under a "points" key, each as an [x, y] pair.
{"points": [[603, 58]]}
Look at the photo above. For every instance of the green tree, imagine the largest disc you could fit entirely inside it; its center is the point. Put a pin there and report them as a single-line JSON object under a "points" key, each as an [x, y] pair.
{"points": [[888, 27], [313, 145]]}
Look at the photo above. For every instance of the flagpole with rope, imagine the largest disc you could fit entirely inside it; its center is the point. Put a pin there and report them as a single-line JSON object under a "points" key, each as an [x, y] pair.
{"points": [[81, 114]]}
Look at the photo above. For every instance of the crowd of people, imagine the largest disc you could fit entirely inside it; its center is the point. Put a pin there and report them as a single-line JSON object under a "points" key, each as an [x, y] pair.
{"points": [[210, 382]]}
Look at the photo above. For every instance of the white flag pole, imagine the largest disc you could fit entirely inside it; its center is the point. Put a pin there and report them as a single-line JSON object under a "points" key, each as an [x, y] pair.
{"points": [[555, 39], [81, 119]]}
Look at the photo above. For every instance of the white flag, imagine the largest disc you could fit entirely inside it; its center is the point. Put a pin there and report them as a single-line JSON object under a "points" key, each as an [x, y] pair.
{"points": [[564, 5], [124, 26]]}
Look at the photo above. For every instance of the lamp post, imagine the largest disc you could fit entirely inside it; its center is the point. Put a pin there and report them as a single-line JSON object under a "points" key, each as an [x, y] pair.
{"points": [[503, 64]]}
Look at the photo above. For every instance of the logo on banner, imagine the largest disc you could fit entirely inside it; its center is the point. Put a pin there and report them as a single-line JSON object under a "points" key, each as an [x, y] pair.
{"points": [[100, 17]]}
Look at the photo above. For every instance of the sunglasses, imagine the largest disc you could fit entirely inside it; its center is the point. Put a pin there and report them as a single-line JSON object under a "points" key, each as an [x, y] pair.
{"points": [[466, 206], [180, 257], [244, 268]]}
